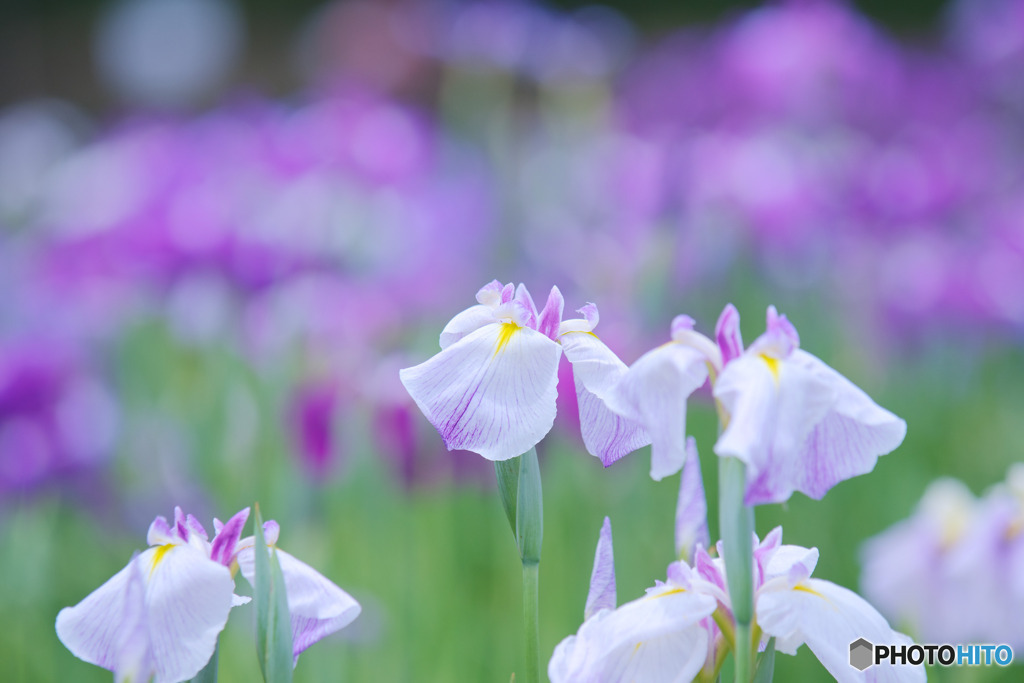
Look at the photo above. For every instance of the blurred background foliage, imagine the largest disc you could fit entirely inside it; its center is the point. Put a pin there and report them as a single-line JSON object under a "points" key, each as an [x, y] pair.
{"points": [[223, 230]]}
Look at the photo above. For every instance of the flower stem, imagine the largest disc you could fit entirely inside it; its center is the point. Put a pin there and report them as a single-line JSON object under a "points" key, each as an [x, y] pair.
{"points": [[531, 581], [519, 485], [737, 529]]}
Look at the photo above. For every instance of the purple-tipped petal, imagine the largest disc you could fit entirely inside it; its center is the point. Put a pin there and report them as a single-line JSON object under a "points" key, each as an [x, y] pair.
{"points": [[692, 507], [180, 524], [727, 334], [196, 527], [602, 579], [551, 317], [490, 294], [160, 532], [492, 392], [223, 548]]}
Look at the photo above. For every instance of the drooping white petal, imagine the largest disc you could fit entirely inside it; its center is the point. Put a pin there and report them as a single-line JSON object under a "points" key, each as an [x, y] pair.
{"points": [[850, 438], [317, 606], [134, 649], [828, 618], [491, 392], [596, 370], [656, 638], [189, 597], [473, 318], [653, 392], [602, 579], [799, 425], [187, 601]]}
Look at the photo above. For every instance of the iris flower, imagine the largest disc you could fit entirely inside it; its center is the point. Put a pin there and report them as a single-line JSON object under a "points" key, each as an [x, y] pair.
{"points": [[678, 630], [492, 388], [161, 615], [797, 424]]}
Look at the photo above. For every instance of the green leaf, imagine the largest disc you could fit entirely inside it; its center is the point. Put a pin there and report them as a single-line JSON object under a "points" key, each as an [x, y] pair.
{"points": [[529, 508], [507, 472], [209, 672], [766, 664], [273, 622]]}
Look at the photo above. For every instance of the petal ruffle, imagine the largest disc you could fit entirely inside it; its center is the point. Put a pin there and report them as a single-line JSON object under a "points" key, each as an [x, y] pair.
{"points": [[828, 618], [596, 370], [653, 392], [473, 318], [492, 392]]}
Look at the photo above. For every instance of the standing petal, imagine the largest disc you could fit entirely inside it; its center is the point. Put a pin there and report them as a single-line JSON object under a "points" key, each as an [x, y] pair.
{"points": [[596, 371], [653, 392], [492, 392], [691, 507], [602, 579]]}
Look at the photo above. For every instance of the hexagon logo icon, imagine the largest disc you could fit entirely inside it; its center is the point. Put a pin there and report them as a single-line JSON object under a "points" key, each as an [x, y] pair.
{"points": [[861, 654]]}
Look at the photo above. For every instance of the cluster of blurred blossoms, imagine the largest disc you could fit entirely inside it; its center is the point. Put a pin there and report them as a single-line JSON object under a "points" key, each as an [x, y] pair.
{"points": [[159, 618], [890, 174], [954, 571]]}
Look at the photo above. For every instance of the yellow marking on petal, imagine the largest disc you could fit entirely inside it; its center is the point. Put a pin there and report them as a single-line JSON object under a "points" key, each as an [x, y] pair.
{"points": [[505, 336], [673, 591], [807, 589], [773, 366], [159, 555]]}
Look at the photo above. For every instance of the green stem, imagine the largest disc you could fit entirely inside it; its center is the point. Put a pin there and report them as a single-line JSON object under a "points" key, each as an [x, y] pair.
{"points": [[531, 581], [737, 529]]}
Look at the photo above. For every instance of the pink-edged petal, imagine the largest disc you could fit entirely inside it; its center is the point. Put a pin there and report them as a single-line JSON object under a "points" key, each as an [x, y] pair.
{"points": [[691, 507], [469, 320], [602, 579], [550, 318], [318, 607], [653, 392], [828, 618], [596, 370], [187, 601], [656, 638], [526, 310], [492, 392]]}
